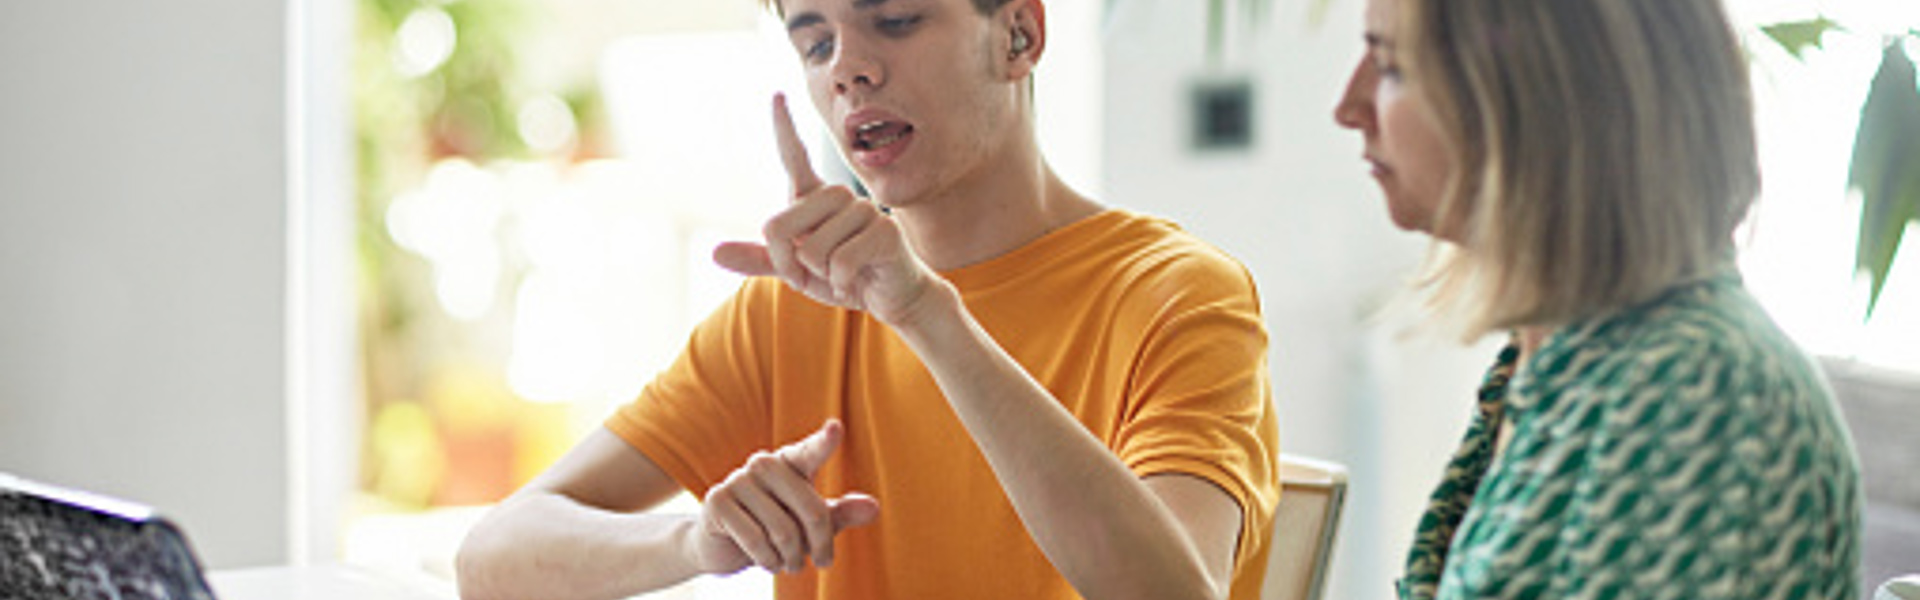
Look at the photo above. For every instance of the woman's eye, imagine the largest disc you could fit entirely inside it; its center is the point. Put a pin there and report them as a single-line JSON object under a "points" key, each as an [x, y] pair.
{"points": [[1388, 70]]}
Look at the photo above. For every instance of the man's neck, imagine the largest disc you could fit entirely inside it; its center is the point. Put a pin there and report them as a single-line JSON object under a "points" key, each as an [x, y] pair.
{"points": [[999, 208]]}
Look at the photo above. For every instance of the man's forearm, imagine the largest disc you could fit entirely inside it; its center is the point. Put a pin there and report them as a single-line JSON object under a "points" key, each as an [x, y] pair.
{"points": [[1095, 520], [544, 545]]}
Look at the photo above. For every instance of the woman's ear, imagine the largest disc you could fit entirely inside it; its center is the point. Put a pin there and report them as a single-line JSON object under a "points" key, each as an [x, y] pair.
{"points": [[1026, 39]]}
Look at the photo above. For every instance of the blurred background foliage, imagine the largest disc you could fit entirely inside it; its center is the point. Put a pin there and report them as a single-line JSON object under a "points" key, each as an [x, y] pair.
{"points": [[438, 81], [1885, 168]]}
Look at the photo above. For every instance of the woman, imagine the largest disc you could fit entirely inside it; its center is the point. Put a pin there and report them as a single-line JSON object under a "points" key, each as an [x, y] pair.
{"points": [[1649, 432]]}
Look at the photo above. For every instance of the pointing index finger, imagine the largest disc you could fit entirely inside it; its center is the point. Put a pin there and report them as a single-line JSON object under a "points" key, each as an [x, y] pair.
{"points": [[808, 454], [793, 154]]}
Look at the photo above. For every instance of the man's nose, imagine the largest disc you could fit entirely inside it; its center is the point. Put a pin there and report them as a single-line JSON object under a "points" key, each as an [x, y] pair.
{"points": [[855, 66]]}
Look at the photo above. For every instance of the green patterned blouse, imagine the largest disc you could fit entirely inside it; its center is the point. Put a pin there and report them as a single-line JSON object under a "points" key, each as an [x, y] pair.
{"points": [[1684, 448]]}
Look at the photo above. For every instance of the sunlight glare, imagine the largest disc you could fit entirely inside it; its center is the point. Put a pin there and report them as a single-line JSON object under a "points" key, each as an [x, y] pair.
{"points": [[424, 41]]}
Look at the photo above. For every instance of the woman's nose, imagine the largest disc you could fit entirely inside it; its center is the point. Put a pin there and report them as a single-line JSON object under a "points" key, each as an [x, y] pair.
{"points": [[1355, 109]]}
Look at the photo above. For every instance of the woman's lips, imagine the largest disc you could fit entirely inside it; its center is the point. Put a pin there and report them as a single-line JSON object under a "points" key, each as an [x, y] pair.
{"points": [[1379, 169]]}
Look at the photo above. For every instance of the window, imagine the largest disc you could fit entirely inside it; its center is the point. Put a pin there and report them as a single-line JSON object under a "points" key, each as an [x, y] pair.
{"points": [[536, 219], [1798, 244]]}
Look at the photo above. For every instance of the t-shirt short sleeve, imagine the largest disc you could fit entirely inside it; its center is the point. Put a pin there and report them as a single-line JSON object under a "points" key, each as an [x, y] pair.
{"points": [[707, 413], [1199, 402]]}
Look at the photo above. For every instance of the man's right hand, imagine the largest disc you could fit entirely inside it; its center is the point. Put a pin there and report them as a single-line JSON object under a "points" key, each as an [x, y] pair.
{"points": [[767, 513], [837, 248]]}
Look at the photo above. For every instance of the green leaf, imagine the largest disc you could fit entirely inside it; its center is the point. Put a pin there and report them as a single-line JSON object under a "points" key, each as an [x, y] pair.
{"points": [[1257, 11], [1216, 30], [1317, 12], [1253, 11], [1796, 36], [1886, 166]]}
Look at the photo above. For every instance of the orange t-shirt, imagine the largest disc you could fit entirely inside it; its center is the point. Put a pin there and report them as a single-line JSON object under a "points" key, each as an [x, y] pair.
{"points": [[1150, 337]]}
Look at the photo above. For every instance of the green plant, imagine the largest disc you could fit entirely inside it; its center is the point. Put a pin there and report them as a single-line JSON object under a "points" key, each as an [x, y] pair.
{"points": [[1885, 167]]}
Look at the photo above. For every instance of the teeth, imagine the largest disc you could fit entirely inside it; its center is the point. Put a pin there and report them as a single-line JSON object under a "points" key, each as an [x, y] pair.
{"points": [[881, 142], [867, 135]]}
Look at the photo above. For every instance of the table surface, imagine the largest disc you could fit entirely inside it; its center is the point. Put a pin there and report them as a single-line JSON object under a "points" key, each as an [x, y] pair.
{"points": [[330, 582]]}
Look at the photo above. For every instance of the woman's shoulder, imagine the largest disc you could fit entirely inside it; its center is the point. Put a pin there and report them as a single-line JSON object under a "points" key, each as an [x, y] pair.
{"points": [[1705, 365], [1697, 418], [1708, 339]]}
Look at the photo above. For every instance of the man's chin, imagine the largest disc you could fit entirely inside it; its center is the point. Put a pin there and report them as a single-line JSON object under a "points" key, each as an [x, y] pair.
{"points": [[893, 193]]}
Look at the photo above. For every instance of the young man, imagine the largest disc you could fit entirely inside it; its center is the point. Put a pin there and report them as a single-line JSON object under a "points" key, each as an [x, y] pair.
{"points": [[990, 388]]}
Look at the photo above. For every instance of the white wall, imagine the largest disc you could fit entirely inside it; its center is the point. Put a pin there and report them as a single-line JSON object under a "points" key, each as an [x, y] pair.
{"points": [[143, 260], [1068, 94], [1300, 211]]}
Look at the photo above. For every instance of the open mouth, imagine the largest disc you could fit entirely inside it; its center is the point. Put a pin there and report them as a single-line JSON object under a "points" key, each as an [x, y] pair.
{"points": [[877, 139], [874, 135]]}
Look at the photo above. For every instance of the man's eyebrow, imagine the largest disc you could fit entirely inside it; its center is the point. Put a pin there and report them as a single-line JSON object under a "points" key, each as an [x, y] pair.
{"points": [[804, 20], [810, 18], [813, 18], [1375, 40]]}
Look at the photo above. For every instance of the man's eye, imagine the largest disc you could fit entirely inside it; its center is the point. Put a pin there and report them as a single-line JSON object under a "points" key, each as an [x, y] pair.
{"points": [[820, 49], [898, 24]]}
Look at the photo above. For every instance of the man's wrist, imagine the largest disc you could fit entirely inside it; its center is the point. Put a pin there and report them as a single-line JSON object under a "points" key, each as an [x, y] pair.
{"points": [[937, 303], [686, 545]]}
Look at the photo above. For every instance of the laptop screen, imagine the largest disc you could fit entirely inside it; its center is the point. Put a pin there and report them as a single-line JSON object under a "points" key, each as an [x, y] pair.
{"points": [[57, 543]]}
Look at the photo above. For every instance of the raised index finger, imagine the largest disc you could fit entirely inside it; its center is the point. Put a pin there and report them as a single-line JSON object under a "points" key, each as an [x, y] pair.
{"points": [[793, 154]]}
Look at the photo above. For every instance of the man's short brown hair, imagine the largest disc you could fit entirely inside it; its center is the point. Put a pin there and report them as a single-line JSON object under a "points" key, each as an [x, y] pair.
{"points": [[984, 6]]}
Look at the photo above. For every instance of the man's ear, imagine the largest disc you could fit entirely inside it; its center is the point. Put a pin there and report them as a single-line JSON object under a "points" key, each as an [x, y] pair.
{"points": [[1026, 35]]}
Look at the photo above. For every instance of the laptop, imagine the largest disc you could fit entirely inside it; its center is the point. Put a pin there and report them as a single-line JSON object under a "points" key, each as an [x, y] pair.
{"points": [[57, 543], [64, 544]]}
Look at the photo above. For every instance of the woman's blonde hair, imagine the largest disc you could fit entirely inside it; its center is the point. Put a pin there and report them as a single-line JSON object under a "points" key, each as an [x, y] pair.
{"points": [[1604, 150]]}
